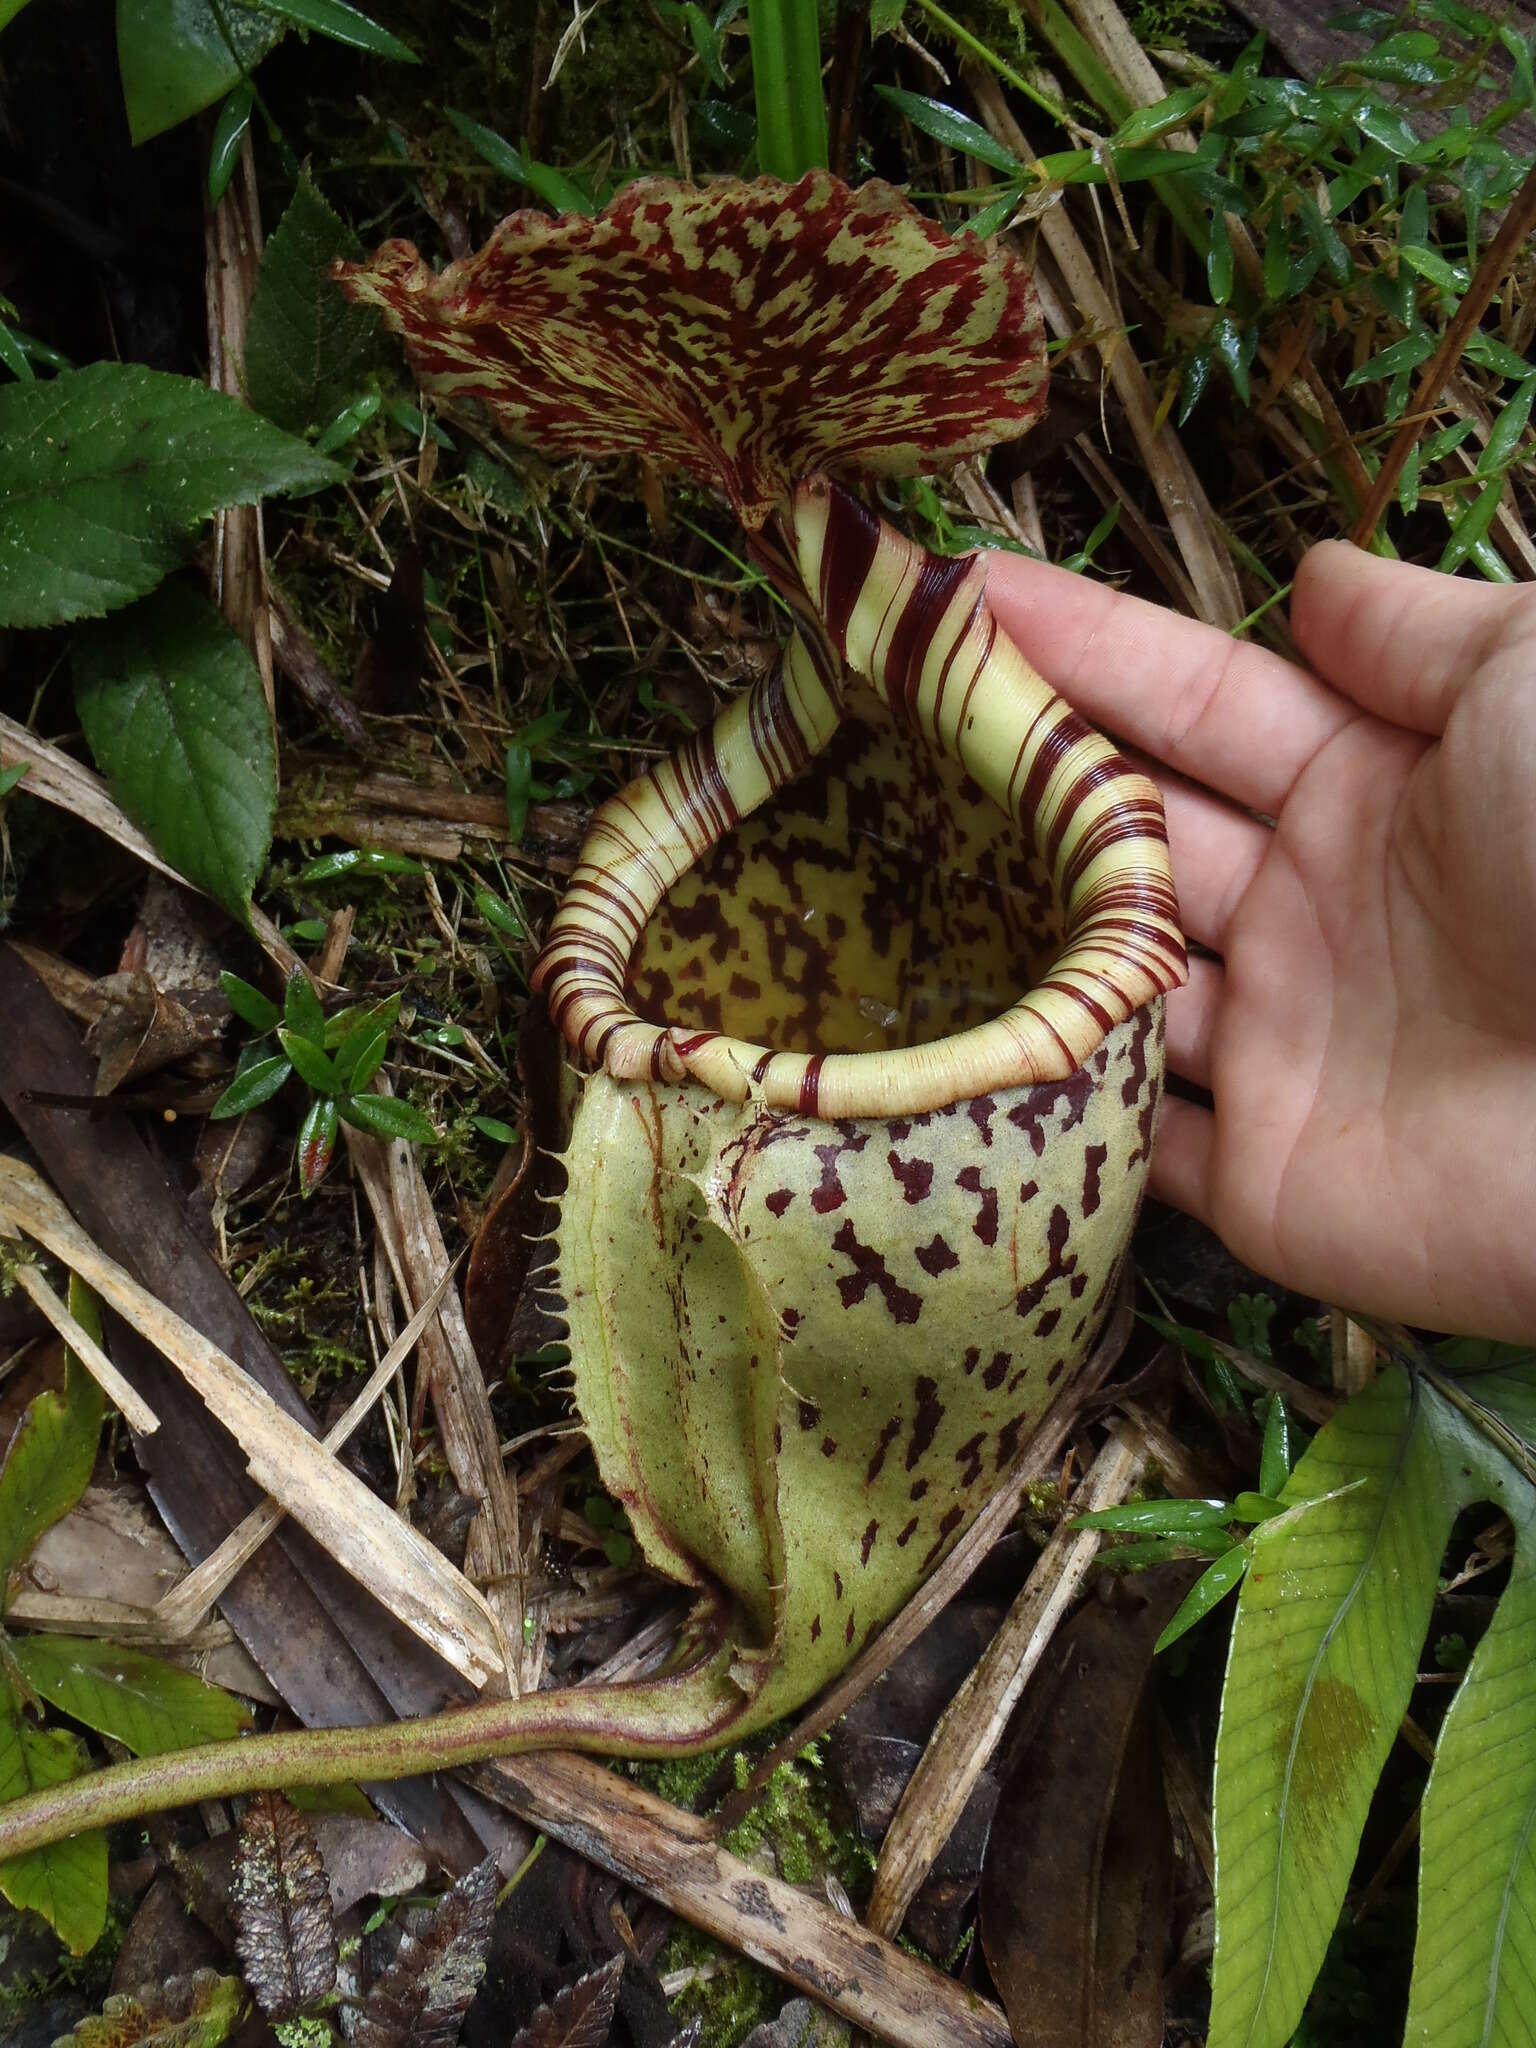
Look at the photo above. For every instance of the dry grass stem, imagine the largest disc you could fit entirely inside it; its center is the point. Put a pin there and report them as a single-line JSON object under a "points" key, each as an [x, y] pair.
{"points": [[190, 1598], [135, 1410], [972, 1725], [383, 1553]]}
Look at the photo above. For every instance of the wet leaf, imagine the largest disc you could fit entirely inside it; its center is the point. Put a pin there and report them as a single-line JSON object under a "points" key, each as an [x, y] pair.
{"points": [[177, 60], [317, 1141], [258, 1083], [1075, 1893], [104, 471], [344, 24], [421, 1999], [281, 1904], [173, 707], [306, 348], [196, 2011], [580, 2016], [140, 1700]]}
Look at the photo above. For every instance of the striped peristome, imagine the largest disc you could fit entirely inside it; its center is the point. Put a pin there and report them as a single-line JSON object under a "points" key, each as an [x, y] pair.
{"points": [[918, 628]]}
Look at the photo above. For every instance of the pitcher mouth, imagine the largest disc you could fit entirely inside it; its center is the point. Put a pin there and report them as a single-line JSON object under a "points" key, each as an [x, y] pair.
{"points": [[920, 626]]}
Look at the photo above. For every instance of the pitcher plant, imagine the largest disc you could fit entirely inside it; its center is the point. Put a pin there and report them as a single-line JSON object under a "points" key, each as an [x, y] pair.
{"points": [[863, 984]]}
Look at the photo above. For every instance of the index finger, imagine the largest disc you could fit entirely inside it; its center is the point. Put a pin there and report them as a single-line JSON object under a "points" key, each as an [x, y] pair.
{"points": [[1236, 718]]}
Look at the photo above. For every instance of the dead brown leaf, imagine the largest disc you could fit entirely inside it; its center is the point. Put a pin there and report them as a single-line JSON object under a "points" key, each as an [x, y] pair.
{"points": [[421, 1999], [580, 2016], [1076, 1891], [284, 1934]]}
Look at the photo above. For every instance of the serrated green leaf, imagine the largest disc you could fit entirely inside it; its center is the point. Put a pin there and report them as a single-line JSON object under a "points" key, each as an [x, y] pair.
{"points": [[1475, 1959], [343, 24], [1330, 1622], [48, 1463], [307, 345], [949, 126], [195, 2011], [66, 1882], [173, 707], [176, 59], [105, 471], [249, 1090], [386, 1116], [139, 1700]]}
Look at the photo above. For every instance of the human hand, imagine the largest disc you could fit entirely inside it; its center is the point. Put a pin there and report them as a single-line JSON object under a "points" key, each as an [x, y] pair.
{"points": [[1368, 1031]]}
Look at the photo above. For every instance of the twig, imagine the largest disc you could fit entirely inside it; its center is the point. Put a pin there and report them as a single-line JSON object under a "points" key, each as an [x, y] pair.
{"points": [[136, 1411], [1518, 226], [674, 1858], [972, 1725]]}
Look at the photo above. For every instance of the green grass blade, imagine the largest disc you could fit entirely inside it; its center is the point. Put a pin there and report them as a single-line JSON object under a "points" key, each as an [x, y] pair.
{"points": [[1329, 1626], [786, 77], [1475, 1963]]}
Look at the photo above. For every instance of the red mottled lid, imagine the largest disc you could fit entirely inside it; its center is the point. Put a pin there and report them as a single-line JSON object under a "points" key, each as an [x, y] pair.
{"points": [[749, 333]]}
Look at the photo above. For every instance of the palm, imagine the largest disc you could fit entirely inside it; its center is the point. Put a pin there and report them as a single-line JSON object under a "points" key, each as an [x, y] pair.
{"points": [[1369, 1031]]}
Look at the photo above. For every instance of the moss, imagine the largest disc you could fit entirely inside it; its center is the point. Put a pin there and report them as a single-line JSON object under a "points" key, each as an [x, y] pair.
{"points": [[729, 1997]]}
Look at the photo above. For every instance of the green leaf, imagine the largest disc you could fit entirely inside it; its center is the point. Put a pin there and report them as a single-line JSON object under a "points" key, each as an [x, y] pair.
{"points": [[1471, 525], [173, 707], [52, 1451], [1324, 1651], [9, 777], [258, 1084], [1158, 1517], [249, 1004], [228, 134], [552, 186], [307, 346], [14, 356], [66, 1882], [493, 1128], [9, 9], [1208, 1591], [176, 60], [141, 1701], [103, 473], [954, 129], [1491, 354], [786, 83], [1406, 354], [309, 1062], [1475, 1958], [1503, 444], [359, 860], [360, 1056], [301, 1008], [1218, 261], [360, 1017], [386, 1116], [1147, 123], [343, 24], [1279, 1452], [519, 790], [1452, 278], [498, 914]]}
